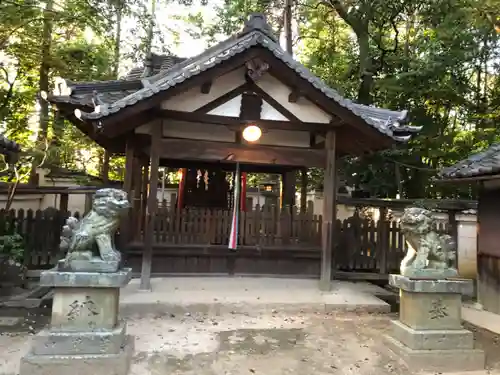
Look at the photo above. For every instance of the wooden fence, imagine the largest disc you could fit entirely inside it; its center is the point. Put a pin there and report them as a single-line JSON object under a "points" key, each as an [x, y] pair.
{"points": [[266, 227], [361, 245]]}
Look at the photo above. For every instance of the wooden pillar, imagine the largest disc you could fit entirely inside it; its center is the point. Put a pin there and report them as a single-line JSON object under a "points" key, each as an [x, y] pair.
{"points": [[243, 200], [329, 212], [152, 206], [182, 187], [129, 165], [88, 203], [289, 182], [136, 199], [383, 240], [63, 202], [105, 168], [453, 230], [303, 190], [144, 193]]}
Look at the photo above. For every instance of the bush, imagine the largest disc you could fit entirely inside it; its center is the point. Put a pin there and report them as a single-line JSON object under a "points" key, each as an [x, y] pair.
{"points": [[12, 247]]}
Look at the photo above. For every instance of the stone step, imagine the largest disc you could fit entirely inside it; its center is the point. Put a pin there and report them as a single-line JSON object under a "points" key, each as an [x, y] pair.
{"points": [[441, 339], [52, 342], [437, 361], [83, 364]]}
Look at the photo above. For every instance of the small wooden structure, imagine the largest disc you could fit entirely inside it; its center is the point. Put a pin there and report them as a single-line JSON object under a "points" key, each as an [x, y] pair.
{"points": [[192, 114], [484, 168]]}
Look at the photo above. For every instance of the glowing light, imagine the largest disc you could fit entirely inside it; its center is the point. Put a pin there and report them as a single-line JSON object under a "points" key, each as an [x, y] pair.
{"points": [[252, 133]]}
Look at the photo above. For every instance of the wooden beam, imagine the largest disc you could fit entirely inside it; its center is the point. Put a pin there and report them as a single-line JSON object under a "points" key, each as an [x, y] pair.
{"points": [[231, 152], [205, 87], [329, 213], [294, 96], [274, 103], [67, 111], [250, 168], [133, 122], [223, 99], [234, 123], [152, 206], [251, 106]]}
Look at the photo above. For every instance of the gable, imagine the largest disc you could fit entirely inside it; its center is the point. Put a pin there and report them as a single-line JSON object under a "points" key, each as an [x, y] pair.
{"points": [[194, 100]]}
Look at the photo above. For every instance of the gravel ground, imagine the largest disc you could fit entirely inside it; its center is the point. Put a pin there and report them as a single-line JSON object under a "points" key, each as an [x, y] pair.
{"points": [[260, 343]]}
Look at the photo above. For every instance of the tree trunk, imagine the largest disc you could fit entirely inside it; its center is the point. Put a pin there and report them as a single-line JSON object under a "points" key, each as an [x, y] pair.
{"points": [[43, 83], [104, 166], [365, 66], [288, 26]]}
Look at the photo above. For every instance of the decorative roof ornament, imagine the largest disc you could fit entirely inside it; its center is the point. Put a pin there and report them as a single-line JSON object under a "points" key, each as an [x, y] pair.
{"points": [[258, 21]]}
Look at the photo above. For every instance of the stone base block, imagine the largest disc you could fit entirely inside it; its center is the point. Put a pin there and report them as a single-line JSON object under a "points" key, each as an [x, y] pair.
{"points": [[85, 309], [430, 304], [432, 339], [431, 286], [92, 265], [85, 364], [453, 360], [429, 273], [73, 343], [71, 279]]}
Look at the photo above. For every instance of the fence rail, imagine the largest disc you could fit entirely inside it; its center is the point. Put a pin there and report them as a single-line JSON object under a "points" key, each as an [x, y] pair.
{"points": [[362, 245]]}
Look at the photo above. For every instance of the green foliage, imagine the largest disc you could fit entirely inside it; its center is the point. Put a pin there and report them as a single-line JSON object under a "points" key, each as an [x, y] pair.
{"points": [[438, 59], [12, 246]]}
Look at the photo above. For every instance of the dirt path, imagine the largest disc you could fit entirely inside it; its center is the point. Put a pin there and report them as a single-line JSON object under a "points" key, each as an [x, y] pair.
{"points": [[270, 344], [266, 344]]}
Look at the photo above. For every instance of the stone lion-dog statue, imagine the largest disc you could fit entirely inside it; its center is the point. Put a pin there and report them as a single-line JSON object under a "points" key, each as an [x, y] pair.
{"points": [[89, 243], [429, 253]]}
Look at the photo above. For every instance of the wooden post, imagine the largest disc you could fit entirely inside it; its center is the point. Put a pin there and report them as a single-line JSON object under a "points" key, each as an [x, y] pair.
{"points": [[243, 200], [126, 225], [88, 203], [129, 165], [303, 190], [289, 182], [182, 187], [136, 199], [105, 169], [63, 202], [152, 206], [453, 229], [144, 194], [383, 239], [329, 213]]}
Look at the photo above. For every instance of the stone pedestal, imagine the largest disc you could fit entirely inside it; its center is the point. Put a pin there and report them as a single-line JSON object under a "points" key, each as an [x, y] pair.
{"points": [[429, 335], [85, 335]]}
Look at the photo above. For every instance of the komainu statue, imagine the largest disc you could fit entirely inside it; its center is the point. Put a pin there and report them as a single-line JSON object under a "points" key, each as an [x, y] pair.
{"points": [[89, 243], [429, 253]]}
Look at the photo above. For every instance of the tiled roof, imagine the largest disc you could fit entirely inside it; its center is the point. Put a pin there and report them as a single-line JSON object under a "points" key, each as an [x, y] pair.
{"points": [[256, 32], [483, 163], [154, 64]]}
